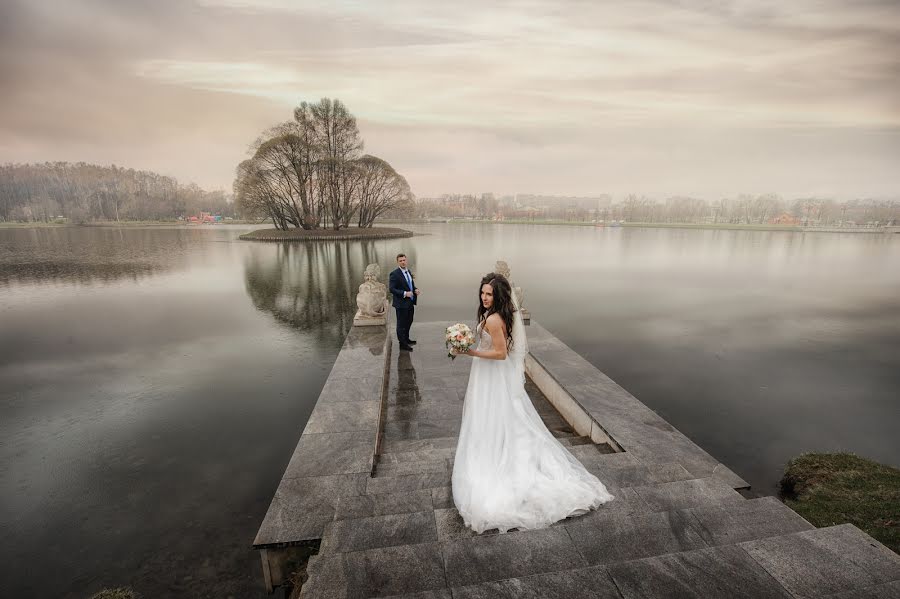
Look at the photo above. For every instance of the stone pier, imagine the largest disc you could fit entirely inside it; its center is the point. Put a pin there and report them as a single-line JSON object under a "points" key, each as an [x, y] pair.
{"points": [[366, 497]]}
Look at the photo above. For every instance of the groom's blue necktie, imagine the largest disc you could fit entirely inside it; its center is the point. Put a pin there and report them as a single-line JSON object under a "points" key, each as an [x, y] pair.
{"points": [[408, 280]]}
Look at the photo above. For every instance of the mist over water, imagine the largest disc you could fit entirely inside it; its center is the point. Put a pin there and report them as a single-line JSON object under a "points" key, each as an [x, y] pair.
{"points": [[154, 381]]}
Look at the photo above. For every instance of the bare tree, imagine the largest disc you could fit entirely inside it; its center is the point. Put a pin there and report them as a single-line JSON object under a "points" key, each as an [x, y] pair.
{"points": [[379, 189], [338, 141]]}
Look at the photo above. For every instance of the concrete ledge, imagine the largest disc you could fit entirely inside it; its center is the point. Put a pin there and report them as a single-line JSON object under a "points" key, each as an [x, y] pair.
{"points": [[334, 456], [566, 405], [595, 405]]}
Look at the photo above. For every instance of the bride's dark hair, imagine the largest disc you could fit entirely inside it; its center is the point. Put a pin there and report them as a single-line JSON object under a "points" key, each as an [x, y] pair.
{"points": [[503, 303]]}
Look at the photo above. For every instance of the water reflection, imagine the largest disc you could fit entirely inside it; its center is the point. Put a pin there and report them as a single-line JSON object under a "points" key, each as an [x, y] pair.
{"points": [[89, 255], [311, 287], [145, 424]]}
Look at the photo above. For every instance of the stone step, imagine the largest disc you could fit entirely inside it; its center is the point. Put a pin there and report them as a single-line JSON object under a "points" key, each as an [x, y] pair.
{"points": [[381, 504], [635, 475], [361, 534], [682, 494], [408, 482], [423, 455], [378, 572], [632, 546], [701, 573], [725, 571], [407, 445], [403, 468], [490, 557], [828, 562], [574, 441], [581, 583], [752, 519], [606, 538], [562, 433]]}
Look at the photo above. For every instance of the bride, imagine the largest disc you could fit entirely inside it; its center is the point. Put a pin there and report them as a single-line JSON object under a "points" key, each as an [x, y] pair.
{"points": [[509, 471]]}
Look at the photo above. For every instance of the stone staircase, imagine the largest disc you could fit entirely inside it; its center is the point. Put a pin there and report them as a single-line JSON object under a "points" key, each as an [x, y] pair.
{"points": [[676, 528], [681, 538], [668, 533], [658, 538]]}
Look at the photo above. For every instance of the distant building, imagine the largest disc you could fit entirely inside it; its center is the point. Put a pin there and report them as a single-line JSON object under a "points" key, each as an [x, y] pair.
{"points": [[785, 219]]}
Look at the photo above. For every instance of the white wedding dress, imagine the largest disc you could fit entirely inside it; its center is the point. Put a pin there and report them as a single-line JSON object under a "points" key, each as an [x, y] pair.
{"points": [[510, 471]]}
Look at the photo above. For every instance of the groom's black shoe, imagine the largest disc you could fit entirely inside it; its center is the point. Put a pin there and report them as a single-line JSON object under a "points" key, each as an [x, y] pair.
{"points": [[412, 341], [406, 347]]}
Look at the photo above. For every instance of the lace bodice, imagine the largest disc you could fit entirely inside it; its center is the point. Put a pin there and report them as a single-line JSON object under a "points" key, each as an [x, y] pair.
{"points": [[484, 339]]}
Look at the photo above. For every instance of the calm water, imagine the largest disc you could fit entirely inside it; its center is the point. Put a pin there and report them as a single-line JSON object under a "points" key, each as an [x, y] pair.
{"points": [[154, 382]]}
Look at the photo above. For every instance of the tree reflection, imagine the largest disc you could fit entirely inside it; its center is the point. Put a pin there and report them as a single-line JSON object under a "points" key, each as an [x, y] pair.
{"points": [[312, 286]]}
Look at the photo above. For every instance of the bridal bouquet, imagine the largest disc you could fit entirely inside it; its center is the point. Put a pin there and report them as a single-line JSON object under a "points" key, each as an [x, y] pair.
{"points": [[458, 338]]}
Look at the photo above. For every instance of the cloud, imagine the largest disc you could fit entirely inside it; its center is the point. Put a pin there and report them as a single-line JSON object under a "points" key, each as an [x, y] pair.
{"points": [[552, 96]]}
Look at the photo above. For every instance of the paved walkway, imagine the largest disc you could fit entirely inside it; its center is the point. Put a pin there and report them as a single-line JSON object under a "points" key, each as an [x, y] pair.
{"points": [[677, 527]]}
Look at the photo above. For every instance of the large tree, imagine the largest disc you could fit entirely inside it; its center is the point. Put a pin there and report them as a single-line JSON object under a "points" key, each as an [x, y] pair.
{"points": [[309, 173]]}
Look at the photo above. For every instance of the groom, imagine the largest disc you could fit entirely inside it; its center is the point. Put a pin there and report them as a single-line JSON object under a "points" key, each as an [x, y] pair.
{"points": [[404, 291]]}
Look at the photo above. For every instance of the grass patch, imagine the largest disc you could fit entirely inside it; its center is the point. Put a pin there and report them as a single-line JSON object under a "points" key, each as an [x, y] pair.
{"points": [[840, 488], [119, 593]]}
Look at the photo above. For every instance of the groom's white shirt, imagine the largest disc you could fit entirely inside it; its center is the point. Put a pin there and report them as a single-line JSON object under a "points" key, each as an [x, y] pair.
{"points": [[408, 278]]}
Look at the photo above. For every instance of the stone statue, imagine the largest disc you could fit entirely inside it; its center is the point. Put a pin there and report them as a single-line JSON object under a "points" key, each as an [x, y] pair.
{"points": [[371, 299], [502, 268]]}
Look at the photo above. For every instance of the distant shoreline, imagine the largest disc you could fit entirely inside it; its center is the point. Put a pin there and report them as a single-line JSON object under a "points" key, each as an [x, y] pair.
{"points": [[112, 223], [304, 235], [300, 234], [636, 225]]}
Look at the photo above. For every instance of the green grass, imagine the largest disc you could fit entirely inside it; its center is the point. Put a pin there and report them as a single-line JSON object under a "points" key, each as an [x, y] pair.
{"points": [[840, 488], [119, 593]]}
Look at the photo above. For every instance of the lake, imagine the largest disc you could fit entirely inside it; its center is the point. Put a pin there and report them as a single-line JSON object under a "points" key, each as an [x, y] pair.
{"points": [[154, 381]]}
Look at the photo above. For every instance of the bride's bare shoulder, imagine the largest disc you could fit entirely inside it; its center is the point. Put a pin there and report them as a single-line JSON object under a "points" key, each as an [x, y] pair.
{"points": [[495, 323]]}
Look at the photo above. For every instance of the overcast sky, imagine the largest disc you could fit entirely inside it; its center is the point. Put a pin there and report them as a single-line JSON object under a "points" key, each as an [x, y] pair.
{"points": [[560, 97]]}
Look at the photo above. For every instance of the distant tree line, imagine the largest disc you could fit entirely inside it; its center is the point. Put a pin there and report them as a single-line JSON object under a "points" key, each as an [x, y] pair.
{"points": [[756, 210], [311, 173], [743, 209], [83, 192]]}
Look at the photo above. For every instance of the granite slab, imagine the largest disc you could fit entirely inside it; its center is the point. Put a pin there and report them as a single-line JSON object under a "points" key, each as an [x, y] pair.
{"points": [[410, 482], [610, 538], [700, 574], [332, 453], [826, 561], [402, 468], [584, 583], [340, 417], [406, 445], [686, 494], [888, 590], [753, 519], [486, 558], [382, 572], [302, 507], [361, 506], [388, 530]]}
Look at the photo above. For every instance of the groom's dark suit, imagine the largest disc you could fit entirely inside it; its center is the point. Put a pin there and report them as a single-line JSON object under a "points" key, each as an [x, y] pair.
{"points": [[405, 306]]}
